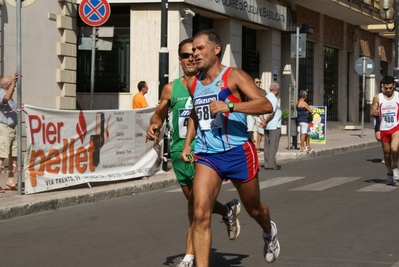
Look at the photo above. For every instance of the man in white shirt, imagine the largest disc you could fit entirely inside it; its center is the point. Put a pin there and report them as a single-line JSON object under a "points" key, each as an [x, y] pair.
{"points": [[272, 124]]}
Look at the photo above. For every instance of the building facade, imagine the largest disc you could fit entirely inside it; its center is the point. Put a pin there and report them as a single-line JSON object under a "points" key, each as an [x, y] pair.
{"points": [[256, 36]]}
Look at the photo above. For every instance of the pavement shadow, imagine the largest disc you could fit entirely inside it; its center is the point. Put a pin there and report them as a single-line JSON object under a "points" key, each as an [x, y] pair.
{"points": [[219, 259], [376, 181], [375, 160]]}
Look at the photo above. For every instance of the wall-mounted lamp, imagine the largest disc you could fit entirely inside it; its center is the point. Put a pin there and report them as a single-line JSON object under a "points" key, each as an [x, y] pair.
{"points": [[387, 12], [188, 12]]}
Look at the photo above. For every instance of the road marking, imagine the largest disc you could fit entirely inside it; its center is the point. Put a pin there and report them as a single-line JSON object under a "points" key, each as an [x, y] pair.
{"points": [[319, 186], [378, 188], [179, 189], [326, 184], [276, 181]]}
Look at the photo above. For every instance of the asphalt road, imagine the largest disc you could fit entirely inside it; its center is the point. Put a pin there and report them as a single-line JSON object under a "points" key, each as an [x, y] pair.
{"points": [[330, 211]]}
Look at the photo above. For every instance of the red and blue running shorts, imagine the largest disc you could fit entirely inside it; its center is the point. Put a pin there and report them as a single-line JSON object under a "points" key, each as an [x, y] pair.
{"points": [[240, 163]]}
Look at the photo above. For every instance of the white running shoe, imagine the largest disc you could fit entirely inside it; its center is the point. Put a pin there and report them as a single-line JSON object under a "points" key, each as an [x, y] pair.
{"points": [[271, 249], [231, 221], [390, 180], [185, 263], [396, 174]]}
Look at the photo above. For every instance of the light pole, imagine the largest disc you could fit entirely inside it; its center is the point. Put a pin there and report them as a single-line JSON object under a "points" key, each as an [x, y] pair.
{"points": [[389, 12], [164, 73]]}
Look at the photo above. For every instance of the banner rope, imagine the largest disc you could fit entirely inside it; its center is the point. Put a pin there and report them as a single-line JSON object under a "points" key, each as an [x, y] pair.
{"points": [[14, 110]]}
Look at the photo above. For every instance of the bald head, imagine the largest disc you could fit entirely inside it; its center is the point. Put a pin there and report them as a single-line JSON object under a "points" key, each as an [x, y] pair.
{"points": [[274, 88], [6, 81]]}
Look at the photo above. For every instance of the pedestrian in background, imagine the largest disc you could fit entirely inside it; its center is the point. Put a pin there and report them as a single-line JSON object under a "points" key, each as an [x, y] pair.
{"points": [[139, 100], [176, 96], [223, 150], [304, 113], [272, 124], [8, 123], [253, 122], [386, 107]]}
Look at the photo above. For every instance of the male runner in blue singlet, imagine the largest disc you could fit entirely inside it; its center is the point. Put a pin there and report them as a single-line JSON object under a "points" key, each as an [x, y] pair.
{"points": [[176, 96], [223, 148]]}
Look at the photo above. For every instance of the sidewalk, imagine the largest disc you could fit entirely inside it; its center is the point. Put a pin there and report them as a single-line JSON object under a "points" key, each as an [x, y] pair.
{"points": [[13, 205]]}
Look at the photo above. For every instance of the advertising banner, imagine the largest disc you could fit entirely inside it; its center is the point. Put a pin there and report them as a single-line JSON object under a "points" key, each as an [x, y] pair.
{"points": [[318, 126], [66, 148]]}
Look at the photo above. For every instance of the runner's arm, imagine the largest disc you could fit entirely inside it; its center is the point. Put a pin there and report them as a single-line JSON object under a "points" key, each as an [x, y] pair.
{"points": [[374, 107], [161, 112], [191, 132], [242, 85]]}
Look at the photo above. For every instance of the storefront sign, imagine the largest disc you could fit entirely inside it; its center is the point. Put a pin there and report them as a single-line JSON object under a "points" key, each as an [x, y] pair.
{"points": [[260, 12]]}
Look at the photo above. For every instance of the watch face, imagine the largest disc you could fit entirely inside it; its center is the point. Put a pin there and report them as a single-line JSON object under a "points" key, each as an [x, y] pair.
{"points": [[231, 105]]}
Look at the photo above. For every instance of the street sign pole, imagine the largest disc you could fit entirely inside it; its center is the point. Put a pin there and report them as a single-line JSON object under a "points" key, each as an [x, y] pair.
{"points": [[364, 66], [295, 138], [298, 50], [19, 100], [93, 66], [363, 91], [94, 13]]}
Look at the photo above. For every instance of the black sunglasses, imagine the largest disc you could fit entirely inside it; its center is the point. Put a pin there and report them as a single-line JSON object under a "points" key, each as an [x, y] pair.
{"points": [[186, 55]]}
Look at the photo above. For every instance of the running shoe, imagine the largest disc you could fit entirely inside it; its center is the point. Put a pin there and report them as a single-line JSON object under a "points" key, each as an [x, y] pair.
{"points": [[271, 249], [396, 174], [231, 221], [185, 263], [390, 180], [383, 161]]}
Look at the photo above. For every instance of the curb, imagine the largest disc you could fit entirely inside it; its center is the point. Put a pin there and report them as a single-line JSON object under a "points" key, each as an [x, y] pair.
{"points": [[31, 204], [325, 152]]}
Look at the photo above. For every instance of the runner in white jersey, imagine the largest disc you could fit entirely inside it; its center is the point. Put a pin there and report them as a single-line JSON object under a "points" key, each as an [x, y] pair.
{"points": [[386, 107], [388, 112]]}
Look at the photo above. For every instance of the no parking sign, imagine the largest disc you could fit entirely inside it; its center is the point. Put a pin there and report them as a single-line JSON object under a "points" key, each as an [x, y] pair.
{"points": [[94, 12]]}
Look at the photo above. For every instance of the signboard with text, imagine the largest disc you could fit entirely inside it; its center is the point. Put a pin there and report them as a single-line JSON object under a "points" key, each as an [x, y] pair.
{"points": [[67, 148], [317, 127]]}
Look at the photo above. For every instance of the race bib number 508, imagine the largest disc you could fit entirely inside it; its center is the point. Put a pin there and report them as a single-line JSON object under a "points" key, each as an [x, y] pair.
{"points": [[206, 119]]}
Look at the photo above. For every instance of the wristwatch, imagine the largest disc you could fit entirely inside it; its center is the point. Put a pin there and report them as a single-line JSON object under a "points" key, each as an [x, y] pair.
{"points": [[231, 106]]}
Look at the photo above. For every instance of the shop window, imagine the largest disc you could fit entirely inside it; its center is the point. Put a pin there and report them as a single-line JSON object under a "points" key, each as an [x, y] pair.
{"points": [[331, 65], [112, 68], [306, 72], [201, 23], [250, 57]]}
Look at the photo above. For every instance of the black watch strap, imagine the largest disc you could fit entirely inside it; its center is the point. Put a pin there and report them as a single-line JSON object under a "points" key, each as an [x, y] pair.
{"points": [[231, 106]]}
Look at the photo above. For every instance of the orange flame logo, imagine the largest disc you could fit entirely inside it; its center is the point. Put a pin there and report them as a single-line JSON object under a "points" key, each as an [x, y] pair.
{"points": [[81, 129]]}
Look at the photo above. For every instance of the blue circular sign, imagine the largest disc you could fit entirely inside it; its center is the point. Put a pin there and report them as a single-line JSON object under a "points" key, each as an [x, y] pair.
{"points": [[94, 12]]}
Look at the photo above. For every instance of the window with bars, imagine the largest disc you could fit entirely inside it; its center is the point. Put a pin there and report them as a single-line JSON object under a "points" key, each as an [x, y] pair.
{"points": [[306, 72], [331, 65]]}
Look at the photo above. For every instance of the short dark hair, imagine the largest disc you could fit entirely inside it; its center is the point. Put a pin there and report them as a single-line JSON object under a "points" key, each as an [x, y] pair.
{"points": [[213, 37], [182, 43], [388, 80], [141, 85]]}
